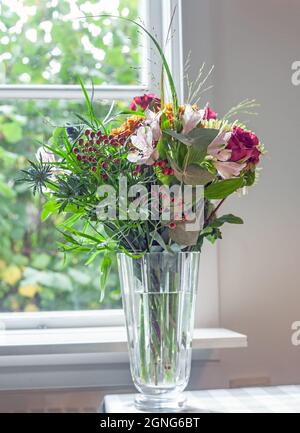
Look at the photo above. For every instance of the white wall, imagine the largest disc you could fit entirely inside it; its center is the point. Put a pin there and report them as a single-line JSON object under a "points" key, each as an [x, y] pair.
{"points": [[252, 45]]}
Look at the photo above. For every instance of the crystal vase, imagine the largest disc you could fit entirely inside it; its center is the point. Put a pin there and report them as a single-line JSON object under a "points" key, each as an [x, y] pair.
{"points": [[158, 293]]}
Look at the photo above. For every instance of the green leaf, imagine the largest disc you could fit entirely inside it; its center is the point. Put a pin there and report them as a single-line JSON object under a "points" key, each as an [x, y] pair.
{"points": [[181, 236], [104, 272], [197, 137], [197, 141], [92, 257], [193, 175], [249, 177], [157, 237], [228, 218], [161, 148], [223, 188], [49, 207], [59, 135], [12, 132]]}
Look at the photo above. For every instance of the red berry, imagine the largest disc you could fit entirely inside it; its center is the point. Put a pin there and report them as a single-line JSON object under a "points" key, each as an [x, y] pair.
{"points": [[87, 132], [171, 171], [92, 134], [90, 149], [104, 165], [79, 157], [162, 164], [165, 172], [104, 176], [80, 141], [76, 150], [94, 169], [172, 226], [99, 133], [98, 142]]}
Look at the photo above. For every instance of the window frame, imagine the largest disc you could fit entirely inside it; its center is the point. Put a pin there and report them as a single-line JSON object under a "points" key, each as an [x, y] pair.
{"points": [[160, 13]]}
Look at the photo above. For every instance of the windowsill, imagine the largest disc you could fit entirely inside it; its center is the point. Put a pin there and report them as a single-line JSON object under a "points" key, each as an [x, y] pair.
{"points": [[86, 357], [99, 340]]}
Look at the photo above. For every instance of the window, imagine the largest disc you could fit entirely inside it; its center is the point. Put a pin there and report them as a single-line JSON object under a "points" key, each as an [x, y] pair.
{"points": [[45, 46]]}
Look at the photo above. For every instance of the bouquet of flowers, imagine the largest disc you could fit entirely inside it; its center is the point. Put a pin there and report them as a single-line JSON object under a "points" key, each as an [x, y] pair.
{"points": [[159, 146], [146, 155]]}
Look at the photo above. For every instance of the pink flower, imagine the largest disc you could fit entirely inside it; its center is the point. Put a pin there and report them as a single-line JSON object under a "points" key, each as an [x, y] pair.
{"points": [[145, 101], [217, 146], [243, 145], [144, 152], [221, 156], [191, 118], [153, 120], [228, 169], [209, 114]]}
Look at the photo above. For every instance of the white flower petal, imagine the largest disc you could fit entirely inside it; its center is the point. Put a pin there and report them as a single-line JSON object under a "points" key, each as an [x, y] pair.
{"points": [[228, 169], [218, 143], [44, 155], [191, 118]]}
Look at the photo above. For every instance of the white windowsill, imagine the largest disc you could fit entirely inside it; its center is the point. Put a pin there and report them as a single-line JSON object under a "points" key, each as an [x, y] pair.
{"points": [[99, 340], [86, 357]]}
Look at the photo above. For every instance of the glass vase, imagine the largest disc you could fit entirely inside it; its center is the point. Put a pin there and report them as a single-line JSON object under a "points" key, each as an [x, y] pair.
{"points": [[159, 293]]}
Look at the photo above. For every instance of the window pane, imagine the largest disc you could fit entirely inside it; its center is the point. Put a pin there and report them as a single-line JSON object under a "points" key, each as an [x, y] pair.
{"points": [[46, 42], [32, 274]]}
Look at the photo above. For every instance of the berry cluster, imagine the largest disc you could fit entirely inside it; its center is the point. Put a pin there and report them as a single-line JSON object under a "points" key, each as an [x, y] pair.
{"points": [[90, 149], [165, 169]]}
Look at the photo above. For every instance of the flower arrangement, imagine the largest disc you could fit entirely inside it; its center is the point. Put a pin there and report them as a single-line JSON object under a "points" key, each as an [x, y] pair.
{"points": [[152, 144]]}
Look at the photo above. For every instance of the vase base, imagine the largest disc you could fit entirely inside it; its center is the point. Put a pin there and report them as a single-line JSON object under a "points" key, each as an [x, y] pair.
{"points": [[160, 403]]}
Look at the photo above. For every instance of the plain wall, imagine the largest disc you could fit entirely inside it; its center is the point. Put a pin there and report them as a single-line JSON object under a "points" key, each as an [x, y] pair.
{"points": [[253, 45]]}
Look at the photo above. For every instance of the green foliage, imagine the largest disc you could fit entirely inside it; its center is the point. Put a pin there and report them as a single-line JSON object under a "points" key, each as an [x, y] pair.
{"points": [[105, 267], [228, 218], [196, 141], [52, 45], [223, 188]]}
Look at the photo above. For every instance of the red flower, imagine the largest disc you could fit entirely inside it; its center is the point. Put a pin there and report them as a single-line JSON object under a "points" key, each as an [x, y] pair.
{"points": [[145, 101], [243, 145], [209, 114]]}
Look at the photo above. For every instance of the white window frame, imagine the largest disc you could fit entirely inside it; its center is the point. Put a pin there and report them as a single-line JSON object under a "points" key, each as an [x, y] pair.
{"points": [[158, 12]]}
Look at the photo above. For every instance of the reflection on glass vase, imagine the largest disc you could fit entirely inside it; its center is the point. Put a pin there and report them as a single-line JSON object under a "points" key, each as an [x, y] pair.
{"points": [[159, 293]]}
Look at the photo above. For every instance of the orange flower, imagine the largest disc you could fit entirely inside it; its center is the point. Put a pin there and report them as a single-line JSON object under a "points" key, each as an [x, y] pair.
{"points": [[128, 127]]}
